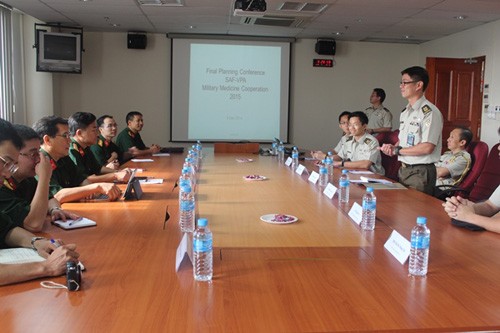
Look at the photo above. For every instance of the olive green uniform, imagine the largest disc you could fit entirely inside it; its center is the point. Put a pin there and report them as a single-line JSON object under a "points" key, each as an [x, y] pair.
{"points": [[64, 174], [103, 149], [127, 139], [84, 159]]}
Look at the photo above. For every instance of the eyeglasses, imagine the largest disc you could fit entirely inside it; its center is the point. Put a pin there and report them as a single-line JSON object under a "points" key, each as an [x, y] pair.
{"points": [[64, 135], [33, 155], [344, 123], [9, 165], [355, 125], [404, 83]]}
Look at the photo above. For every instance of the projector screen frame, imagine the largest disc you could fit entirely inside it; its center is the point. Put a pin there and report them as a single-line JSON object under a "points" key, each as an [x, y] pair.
{"points": [[284, 126]]}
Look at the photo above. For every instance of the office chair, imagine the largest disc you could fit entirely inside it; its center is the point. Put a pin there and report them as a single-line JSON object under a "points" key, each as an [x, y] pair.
{"points": [[489, 179], [390, 163]]}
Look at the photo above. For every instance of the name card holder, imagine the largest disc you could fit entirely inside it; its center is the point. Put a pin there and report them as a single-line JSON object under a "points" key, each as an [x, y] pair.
{"points": [[185, 249], [398, 246], [330, 190]]}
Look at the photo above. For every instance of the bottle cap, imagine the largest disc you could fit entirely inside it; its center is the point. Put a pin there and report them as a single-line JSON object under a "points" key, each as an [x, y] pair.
{"points": [[202, 222], [346, 171], [421, 220], [369, 189]]}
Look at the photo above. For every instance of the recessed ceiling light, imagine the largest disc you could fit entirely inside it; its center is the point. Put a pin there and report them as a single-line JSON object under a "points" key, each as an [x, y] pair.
{"points": [[338, 33], [407, 36], [115, 25], [460, 17]]}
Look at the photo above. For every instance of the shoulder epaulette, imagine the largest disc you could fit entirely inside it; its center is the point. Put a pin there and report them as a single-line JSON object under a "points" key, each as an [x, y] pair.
{"points": [[349, 139], [403, 109], [386, 109], [426, 109], [368, 141], [131, 134]]}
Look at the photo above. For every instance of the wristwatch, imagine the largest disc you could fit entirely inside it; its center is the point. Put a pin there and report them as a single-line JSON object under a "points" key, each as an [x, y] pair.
{"points": [[33, 240], [397, 149]]}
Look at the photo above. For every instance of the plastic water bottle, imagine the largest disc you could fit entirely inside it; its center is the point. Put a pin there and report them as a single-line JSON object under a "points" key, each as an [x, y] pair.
{"points": [[202, 252], [323, 175], [199, 148], [274, 149], [281, 153], [419, 253], [329, 164], [186, 210], [344, 187], [184, 181], [369, 210], [191, 170], [295, 158]]}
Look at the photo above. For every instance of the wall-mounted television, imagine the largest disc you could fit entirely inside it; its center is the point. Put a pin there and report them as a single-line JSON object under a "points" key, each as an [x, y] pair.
{"points": [[59, 52]]}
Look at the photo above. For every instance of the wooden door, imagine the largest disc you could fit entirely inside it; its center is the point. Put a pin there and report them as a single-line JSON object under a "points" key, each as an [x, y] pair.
{"points": [[456, 88]]}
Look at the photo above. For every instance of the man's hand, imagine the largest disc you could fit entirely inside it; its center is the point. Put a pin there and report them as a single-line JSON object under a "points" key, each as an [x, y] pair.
{"points": [[122, 175], [113, 165], [56, 262], [318, 155], [111, 190], [60, 214], [43, 169], [387, 149], [155, 149]]}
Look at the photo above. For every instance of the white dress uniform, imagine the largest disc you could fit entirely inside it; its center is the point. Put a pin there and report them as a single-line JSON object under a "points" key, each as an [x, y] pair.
{"points": [[364, 149], [378, 117]]}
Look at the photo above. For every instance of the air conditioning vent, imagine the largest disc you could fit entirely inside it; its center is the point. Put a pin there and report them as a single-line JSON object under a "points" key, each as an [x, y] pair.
{"points": [[274, 19]]}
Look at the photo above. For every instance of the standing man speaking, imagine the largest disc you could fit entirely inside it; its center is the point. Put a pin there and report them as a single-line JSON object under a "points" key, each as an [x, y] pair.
{"points": [[420, 130]]}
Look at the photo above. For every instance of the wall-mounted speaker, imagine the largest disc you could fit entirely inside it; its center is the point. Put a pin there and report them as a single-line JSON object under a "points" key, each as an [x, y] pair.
{"points": [[325, 46], [137, 41]]}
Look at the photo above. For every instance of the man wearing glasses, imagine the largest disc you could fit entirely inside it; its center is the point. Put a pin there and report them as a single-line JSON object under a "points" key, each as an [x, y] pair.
{"points": [[420, 130], [344, 126], [26, 201], [14, 236], [105, 151], [83, 128], [360, 149], [67, 184]]}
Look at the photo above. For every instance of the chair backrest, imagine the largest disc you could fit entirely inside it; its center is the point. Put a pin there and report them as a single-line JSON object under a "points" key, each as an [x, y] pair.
{"points": [[478, 151], [390, 163], [226, 147], [489, 178]]}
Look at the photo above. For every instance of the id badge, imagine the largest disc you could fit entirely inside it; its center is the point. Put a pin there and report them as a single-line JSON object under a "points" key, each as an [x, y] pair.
{"points": [[410, 139]]}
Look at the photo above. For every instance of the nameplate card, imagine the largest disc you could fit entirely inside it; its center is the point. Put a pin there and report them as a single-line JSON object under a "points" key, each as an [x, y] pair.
{"points": [[288, 161], [330, 190], [398, 246], [314, 177], [184, 250], [300, 169], [356, 213]]}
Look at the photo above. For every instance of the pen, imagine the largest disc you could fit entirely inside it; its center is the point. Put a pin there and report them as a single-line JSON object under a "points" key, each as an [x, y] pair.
{"points": [[56, 243], [74, 221]]}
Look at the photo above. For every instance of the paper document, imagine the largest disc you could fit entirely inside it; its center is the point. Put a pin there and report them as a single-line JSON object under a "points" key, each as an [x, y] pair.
{"points": [[142, 160], [360, 172], [375, 180], [74, 224], [19, 256], [151, 181], [161, 154]]}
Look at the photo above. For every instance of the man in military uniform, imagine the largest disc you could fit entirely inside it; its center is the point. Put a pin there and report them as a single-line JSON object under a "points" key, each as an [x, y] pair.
{"points": [[83, 129], [379, 117], [130, 140], [421, 125], [14, 236], [105, 151], [26, 201], [360, 149], [456, 162], [67, 183], [344, 126]]}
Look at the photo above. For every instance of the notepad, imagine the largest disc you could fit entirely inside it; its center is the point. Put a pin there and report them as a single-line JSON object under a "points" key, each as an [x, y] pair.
{"points": [[75, 224], [19, 255]]}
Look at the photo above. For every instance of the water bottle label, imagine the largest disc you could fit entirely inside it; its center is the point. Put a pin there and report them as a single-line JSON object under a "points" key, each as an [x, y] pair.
{"points": [[420, 242], [344, 183], [184, 182], [187, 205], [369, 205], [295, 155], [323, 170], [202, 245]]}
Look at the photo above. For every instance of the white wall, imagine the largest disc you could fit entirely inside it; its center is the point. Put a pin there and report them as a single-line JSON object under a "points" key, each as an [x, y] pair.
{"points": [[38, 85], [480, 41], [116, 80]]}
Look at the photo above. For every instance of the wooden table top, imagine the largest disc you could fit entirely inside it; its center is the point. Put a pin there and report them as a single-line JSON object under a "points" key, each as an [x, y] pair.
{"points": [[320, 274]]}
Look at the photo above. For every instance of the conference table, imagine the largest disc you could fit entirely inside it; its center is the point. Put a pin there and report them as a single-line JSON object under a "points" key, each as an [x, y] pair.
{"points": [[319, 274]]}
